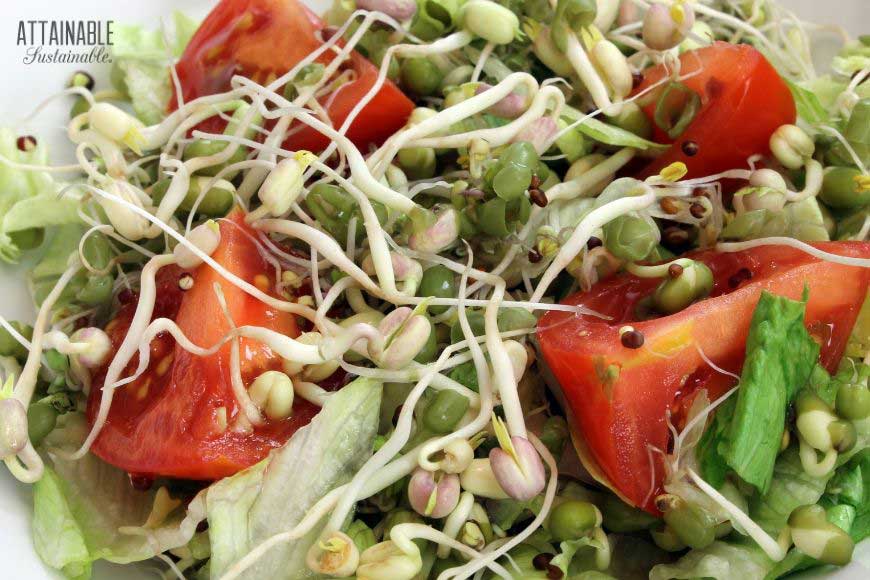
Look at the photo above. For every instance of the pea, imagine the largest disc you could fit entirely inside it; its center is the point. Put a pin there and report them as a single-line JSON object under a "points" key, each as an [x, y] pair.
{"points": [[445, 411], [694, 526], [97, 290], [216, 202], [11, 347], [666, 539], [853, 401], [630, 237], [28, 239], [41, 420], [674, 294], [420, 76], [620, 517], [208, 147], [572, 519], [417, 162], [475, 321], [841, 189], [515, 319], [439, 282], [429, 351]]}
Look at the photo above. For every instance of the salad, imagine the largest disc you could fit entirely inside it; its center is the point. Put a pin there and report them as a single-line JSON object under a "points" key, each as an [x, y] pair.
{"points": [[448, 289]]}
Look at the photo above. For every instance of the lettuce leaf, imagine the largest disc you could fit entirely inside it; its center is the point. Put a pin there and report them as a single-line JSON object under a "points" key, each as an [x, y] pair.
{"points": [[143, 58], [746, 434], [272, 496], [86, 510], [719, 561]]}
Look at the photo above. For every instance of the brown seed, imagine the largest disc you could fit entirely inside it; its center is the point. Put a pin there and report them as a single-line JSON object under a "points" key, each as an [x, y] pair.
{"points": [[541, 561], [690, 148], [670, 205], [594, 243], [554, 573], [701, 192], [739, 277], [632, 339], [536, 182], [675, 270], [538, 197], [697, 210], [26, 143], [534, 256], [636, 79]]}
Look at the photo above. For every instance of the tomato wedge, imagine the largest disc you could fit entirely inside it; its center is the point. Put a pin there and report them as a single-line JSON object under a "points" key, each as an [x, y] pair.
{"points": [[743, 100], [180, 418], [618, 397], [263, 39]]}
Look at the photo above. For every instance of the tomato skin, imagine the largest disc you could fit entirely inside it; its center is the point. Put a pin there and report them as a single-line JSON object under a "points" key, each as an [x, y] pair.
{"points": [[619, 420], [167, 423], [263, 39], [743, 100]]}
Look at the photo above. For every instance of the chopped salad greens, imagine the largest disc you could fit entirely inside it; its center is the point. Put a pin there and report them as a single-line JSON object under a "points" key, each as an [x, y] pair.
{"points": [[448, 289]]}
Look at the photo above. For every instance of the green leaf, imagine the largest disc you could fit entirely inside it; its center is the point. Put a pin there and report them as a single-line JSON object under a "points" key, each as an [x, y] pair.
{"points": [[271, 497], [719, 561], [609, 134], [809, 107], [780, 355]]}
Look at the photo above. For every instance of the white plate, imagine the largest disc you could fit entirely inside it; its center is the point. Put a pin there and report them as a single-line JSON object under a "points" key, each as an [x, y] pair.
{"points": [[26, 85]]}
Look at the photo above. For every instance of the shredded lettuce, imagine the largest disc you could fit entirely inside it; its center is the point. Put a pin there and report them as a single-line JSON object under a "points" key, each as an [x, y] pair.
{"points": [[271, 497], [719, 561], [746, 434], [609, 134], [86, 510], [143, 58]]}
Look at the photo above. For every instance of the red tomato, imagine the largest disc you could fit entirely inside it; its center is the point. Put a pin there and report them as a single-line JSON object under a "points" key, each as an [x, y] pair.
{"points": [[619, 397], [169, 421], [263, 39], [743, 100]]}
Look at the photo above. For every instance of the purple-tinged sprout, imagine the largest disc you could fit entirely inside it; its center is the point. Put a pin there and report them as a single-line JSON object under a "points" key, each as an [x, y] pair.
{"points": [[539, 133], [399, 9], [439, 235], [628, 13], [509, 107], [433, 497], [405, 334], [13, 427], [404, 268], [664, 27], [519, 471], [98, 346]]}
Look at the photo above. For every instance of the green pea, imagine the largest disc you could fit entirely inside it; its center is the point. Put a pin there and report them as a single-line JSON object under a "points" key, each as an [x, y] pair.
{"points": [[554, 435], [207, 148], [815, 536], [572, 519], [445, 411], [851, 225], [633, 119], [28, 239], [841, 189], [80, 106], [439, 282], [630, 237], [429, 351], [843, 435], [466, 374], [515, 319], [417, 162], [41, 420], [11, 347], [620, 517], [511, 181], [97, 290], [475, 321], [675, 294], [666, 539], [853, 401], [215, 203], [693, 525], [420, 76]]}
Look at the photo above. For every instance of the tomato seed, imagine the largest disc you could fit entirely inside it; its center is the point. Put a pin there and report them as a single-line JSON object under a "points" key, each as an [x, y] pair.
{"points": [[632, 339], [690, 148], [740, 276]]}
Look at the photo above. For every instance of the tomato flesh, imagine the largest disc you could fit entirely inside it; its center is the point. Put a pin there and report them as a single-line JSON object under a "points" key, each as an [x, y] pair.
{"points": [[619, 397], [743, 101], [262, 40], [170, 421]]}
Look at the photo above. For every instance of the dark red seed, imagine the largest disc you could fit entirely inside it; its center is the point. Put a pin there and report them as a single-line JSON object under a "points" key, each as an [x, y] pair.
{"points": [[538, 197], [26, 143], [740, 276], [632, 339], [594, 243], [690, 148], [675, 270], [697, 210], [141, 482], [536, 182], [554, 573], [542, 561], [636, 79], [534, 256]]}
